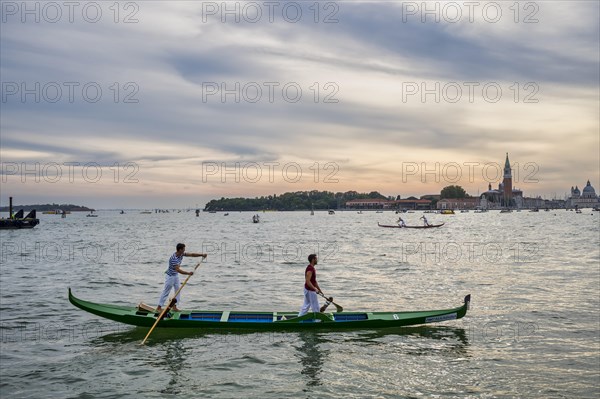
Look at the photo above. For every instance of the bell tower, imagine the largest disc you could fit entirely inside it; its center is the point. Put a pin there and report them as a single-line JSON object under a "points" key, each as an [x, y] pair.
{"points": [[507, 183]]}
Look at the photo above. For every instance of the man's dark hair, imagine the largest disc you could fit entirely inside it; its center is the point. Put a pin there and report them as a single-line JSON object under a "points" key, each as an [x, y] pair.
{"points": [[311, 257], [180, 246]]}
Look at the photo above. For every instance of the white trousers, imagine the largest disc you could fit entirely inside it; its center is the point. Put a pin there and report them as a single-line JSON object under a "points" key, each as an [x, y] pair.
{"points": [[310, 301], [170, 282]]}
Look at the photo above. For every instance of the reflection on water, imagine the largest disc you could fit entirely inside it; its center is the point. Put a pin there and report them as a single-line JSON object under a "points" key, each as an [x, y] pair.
{"points": [[311, 355], [166, 350], [314, 350], [174, 360], [164, 335], [425, 331], [455, 340]]}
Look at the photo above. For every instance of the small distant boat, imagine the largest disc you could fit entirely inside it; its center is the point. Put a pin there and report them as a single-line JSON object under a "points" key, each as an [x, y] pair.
{"points": [[55, 212], [534, 210], [505, 210], [379, 212], [395, 226], [578, 211], [464, 211], [447, 212], [91, 215], [331, 212], [226, 214], [122, 212], [255, 219], [146, 212], [359, 212]]}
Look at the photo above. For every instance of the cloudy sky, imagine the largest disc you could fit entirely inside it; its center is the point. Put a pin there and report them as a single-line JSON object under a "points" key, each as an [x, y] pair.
{"points": [[171, 104]]}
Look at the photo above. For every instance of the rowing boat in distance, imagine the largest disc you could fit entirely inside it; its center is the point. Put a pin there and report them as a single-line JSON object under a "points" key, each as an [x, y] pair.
{"points": [[269, 321], [395, 226]]}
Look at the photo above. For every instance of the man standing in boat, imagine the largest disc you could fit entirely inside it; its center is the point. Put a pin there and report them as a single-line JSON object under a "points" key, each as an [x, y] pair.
{"points": [[401, 222], [172, 274], [311, 287], [425, 222]]}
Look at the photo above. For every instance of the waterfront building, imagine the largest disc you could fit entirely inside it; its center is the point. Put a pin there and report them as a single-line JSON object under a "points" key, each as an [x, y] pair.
{"points": [[583, 199], [380, 203], [415, 204], [369, 203], [458, 203]]}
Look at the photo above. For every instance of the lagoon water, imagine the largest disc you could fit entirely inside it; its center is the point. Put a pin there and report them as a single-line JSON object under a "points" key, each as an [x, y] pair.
{"points": [[532, 330]]}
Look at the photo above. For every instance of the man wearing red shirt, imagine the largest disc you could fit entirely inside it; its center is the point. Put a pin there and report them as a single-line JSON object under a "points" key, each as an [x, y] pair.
{"points": [[311, 287]]}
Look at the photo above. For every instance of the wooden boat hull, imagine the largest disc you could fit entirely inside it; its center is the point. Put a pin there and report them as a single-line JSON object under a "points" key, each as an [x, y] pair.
{"points": [[270, 321], [395, 226]]}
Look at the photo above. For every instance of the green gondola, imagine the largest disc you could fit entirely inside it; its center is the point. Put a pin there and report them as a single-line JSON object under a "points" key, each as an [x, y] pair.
{"points": [[395, 226], [269, 321]]}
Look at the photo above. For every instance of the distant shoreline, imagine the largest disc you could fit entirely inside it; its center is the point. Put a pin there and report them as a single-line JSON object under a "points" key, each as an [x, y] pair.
{"points": [[48, 207]]}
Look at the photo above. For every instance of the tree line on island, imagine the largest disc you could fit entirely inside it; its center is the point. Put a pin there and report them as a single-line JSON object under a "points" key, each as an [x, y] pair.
{"points": [[292, 201], [307, 200], [49, 207]]}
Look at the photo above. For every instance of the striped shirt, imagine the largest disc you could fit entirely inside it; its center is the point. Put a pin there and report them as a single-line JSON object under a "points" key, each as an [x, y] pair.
{"points": [[174, 261]]}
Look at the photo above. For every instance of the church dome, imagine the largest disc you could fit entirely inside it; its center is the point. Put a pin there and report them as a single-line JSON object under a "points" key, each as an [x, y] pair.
{"points": [[588, 190], [576, 191]]}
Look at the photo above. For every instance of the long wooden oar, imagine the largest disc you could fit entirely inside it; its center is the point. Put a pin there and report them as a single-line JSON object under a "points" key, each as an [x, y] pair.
{"points": [[171, 304], [338, 308]]}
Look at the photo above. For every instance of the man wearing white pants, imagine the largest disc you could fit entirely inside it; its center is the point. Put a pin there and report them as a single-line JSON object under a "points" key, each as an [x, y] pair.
{"points": [[311, 287], [172, 275]]}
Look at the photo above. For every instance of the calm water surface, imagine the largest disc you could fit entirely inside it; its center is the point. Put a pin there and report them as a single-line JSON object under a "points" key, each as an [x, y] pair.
{"points": [[532, 331]]}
